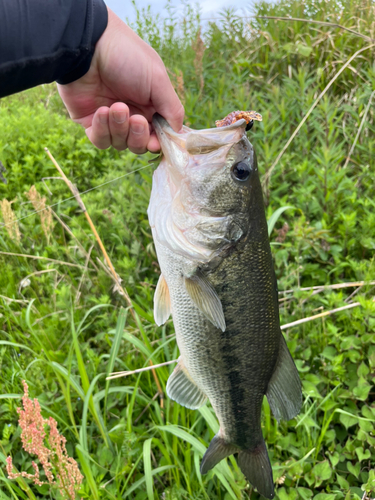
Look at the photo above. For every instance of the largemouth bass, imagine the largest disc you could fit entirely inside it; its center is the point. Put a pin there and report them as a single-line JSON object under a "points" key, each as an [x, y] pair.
{"points": [[210, 233]]}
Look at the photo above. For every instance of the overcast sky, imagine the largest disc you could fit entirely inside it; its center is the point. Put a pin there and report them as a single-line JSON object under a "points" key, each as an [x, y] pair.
{"points": [[124, 8]]}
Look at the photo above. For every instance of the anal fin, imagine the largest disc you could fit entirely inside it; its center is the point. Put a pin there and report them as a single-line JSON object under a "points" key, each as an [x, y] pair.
{"points": [[204, 296], [284, 392], [162, 302], [182, 388]]}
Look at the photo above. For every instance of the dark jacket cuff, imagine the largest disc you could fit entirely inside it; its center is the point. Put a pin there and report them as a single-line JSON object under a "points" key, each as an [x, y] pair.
{"points": [[96, 25]]}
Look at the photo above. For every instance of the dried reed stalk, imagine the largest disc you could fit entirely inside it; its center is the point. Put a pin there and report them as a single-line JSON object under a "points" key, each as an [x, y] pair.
{"points": [[139, 370], [283, 327], [10, 220], [177, 80], [180, 87], [45, 213], [293, 19], [359, 130], [335, 286], [199, 49], [38, 257], [267, 176], [115, 276], [320, 315], [78, 198]]}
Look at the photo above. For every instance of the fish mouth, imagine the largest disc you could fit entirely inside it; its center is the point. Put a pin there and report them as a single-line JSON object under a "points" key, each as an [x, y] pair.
{"points": [[177, 146], [173, 145], [159, 123]]}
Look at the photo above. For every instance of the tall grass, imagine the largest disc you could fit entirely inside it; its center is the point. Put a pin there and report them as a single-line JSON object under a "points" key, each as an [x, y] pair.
{"points": [[64, 330]]}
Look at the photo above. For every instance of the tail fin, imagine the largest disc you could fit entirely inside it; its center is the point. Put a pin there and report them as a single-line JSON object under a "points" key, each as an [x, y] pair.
{"points": [[256, 467], [254, 463]]}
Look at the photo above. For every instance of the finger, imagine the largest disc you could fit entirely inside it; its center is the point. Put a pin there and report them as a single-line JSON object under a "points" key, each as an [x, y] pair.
{"points": [[139, 134], [99, 133], [153, 144], [165, 99], [119, 125]]}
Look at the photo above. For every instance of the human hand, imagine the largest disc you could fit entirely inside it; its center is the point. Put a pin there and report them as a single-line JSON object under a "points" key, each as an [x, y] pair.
{"points": [[126, 84]]}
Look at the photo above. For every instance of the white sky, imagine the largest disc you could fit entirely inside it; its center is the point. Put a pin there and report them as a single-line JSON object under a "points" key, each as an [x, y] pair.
{"points": [[208, 8]]}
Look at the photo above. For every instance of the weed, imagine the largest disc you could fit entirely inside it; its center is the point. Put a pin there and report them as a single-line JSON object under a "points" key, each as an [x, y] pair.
{"points": [[129, 442]]}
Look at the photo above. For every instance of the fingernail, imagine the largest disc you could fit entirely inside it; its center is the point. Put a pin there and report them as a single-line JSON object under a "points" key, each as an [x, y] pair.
{"points": [[102, 118], [138, 128], [119, 116]]}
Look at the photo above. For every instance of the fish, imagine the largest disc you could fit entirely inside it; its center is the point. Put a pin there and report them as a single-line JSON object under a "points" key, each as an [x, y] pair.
{"points": [[217, 280]]}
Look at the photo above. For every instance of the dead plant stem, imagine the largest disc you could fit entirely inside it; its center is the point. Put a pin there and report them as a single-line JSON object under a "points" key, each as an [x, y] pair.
{"points": [[359, 129], [267, 176], [335, 286], [38, 257], [78, 198], [116, 278], [283, 327]]}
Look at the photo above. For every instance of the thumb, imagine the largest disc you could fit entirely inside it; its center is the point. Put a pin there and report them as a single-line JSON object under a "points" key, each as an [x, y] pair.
{"points": [[165, 100]]}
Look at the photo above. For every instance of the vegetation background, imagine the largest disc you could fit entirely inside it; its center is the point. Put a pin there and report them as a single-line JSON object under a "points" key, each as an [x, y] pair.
{"points": [[64, 326]]}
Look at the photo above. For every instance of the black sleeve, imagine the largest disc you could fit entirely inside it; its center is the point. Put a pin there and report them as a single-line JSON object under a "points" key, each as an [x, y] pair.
{"points": [[46, 40]]}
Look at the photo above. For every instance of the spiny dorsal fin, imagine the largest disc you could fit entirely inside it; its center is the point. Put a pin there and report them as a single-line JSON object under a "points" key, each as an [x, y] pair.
{"points": [[162, 302], [284, 392], [204, 296], [182, 388]]}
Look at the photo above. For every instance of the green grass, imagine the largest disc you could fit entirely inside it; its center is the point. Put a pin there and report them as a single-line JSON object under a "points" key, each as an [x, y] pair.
{"points": [[66, 329]]}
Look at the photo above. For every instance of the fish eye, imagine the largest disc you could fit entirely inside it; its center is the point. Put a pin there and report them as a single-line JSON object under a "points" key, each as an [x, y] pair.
{"points": [[241, 171], [249, 126]]}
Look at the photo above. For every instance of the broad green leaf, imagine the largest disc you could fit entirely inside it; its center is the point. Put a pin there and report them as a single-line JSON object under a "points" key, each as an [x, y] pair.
{"points": [[284, 494], [343, 483], [322, 472], [354, 469], [348, 420], [304, 50], [362, 454], [362, 391], [305, 493], [363, 370], [311, 389], [334, 458], [325, 496]]}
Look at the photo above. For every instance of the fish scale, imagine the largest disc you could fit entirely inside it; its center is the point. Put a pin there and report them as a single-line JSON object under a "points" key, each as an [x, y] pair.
{"points": [[219, 285]]}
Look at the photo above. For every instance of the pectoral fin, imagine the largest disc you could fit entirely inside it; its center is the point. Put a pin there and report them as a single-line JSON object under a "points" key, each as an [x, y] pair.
{"points": [[284, 391], [204, 296], [162, 302], [182, 388]]}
